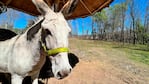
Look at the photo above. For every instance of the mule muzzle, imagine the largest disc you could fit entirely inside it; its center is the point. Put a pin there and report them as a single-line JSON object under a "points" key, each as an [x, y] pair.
{"points": [[62, 74]]}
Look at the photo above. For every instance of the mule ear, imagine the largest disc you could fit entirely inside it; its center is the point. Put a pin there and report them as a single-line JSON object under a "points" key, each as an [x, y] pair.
{"points": [[34, 30], [73, 59], [69, 7], [42, 7]]}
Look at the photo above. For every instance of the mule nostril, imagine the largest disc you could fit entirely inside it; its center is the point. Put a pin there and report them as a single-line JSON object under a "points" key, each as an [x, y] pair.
{"points": [[70, 70], [59, 74]]}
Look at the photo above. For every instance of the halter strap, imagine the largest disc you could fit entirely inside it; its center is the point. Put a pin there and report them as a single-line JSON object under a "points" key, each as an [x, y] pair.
{"points": [[55, 51]]}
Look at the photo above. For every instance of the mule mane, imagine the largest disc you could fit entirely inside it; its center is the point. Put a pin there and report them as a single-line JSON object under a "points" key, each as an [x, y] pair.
{"points": [[35, 21]]}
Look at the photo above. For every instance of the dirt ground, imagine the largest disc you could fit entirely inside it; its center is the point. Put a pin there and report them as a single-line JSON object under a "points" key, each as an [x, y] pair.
{"points": [[103, 66], [88, 73]]}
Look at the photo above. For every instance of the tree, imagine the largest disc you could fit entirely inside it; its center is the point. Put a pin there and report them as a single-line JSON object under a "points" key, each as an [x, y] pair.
{"points": [[146, 25], [133, 14], [101, 20], [139, 31], [123, 10], [115, 21]]}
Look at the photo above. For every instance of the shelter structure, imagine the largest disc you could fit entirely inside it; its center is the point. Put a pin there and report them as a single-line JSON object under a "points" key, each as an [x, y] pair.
{"points": [[84, 7]]}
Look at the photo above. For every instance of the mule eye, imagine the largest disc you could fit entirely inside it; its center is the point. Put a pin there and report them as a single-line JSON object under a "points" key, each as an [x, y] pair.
{"points": [[48, 32]]}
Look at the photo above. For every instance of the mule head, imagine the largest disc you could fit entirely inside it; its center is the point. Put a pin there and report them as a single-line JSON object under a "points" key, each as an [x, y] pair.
{"points": [[46, 70], [55, 36]]}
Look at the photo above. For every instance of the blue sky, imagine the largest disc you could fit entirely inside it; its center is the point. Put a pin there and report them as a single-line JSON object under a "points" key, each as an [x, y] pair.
{"points": [[20, 22], [78, 24], [23, 20]]}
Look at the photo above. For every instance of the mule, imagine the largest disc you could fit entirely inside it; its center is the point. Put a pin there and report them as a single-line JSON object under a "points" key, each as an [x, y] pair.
{"points": [[24, 55], [46, 70]]}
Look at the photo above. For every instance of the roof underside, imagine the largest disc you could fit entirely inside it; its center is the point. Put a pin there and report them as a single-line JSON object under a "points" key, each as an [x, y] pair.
{"points": [[83, 9]]}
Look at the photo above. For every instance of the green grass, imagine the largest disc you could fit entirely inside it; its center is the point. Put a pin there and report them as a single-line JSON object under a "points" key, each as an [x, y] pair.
{"points": [[138, 53], [140, 56]]}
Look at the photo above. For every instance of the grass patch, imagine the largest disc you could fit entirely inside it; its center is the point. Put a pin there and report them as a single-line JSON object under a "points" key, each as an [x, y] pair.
{"points": [[140, 56], [139, 53]]}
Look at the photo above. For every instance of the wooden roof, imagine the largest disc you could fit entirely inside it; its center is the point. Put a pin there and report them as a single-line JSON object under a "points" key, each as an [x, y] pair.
{"points": [[83, 9]]}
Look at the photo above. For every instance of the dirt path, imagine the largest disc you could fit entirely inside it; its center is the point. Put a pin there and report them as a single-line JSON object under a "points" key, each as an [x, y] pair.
{"points": [[99, 65], [87, 73]]}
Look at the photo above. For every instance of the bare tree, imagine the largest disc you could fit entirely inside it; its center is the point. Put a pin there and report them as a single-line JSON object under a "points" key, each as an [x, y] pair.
{"points": [[146, 25], [133, 14], [123, 8]]}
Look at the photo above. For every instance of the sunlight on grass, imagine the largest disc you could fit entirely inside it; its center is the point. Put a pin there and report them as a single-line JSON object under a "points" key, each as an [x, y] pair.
{"points": [[138, 53], [140, 56]]}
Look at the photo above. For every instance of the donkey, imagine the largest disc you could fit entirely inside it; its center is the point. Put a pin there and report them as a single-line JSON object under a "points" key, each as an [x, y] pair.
{"points": [[24, 55], [46, 70]]}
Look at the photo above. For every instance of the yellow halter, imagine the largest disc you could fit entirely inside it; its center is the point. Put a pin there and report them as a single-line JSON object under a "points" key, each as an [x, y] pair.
{"points": [[55, 51]]}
